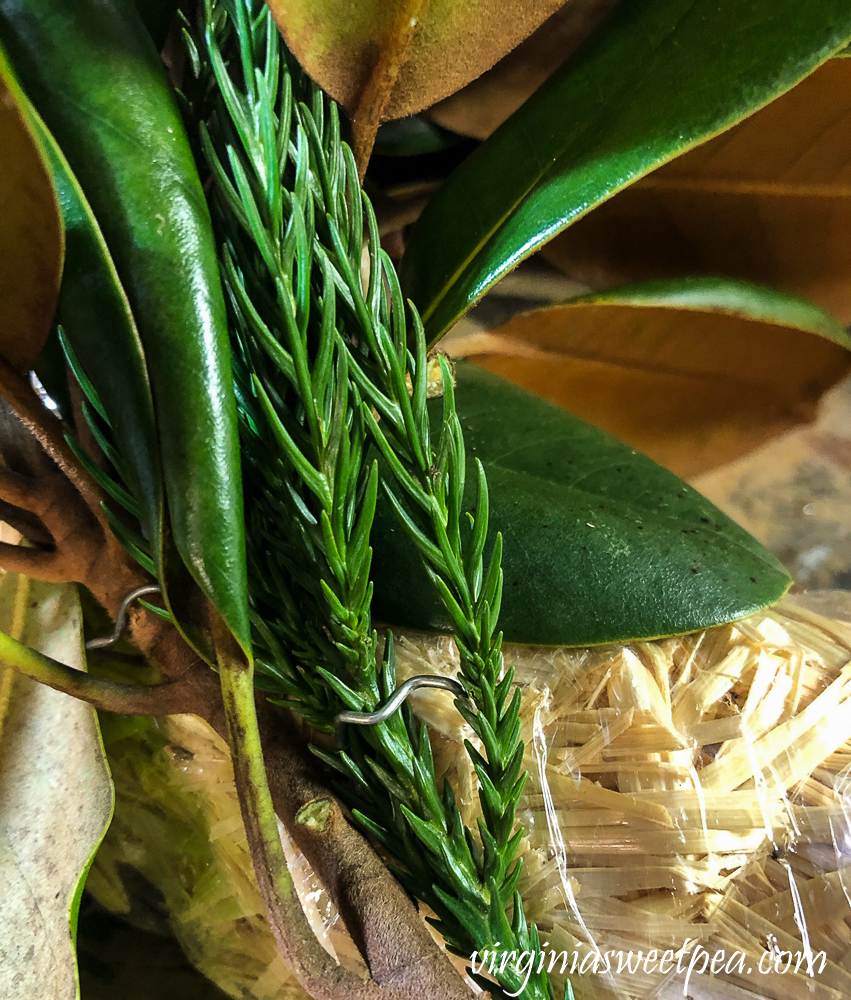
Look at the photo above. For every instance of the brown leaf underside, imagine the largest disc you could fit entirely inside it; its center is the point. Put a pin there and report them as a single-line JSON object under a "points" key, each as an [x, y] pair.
{"points": [[483, 105], [31, 241], [691, 390], [383, 60]]}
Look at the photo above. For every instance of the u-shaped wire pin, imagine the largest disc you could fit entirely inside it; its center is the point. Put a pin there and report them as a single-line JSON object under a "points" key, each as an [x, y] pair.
{"points": [[383, 712], [120, 627], [380, 714]]}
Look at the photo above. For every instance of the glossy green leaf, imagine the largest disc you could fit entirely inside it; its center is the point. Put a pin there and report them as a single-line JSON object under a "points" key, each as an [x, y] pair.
{"points": [[31, 239], [56, 797], [768, 200], [658, 78], [600, 543], [96, 318], [95, 77]]}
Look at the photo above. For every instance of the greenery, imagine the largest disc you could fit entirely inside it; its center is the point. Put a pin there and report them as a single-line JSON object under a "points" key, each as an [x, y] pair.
{"points": [[322, 371], [257, 419]]}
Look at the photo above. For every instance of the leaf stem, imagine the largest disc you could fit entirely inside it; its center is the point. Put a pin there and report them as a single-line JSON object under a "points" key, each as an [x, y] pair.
{"points": [[314, 968], [167, 698]]}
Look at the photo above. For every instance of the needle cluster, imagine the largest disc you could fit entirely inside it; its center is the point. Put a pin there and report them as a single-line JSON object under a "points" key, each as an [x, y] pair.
{"points": [[331, 371]]}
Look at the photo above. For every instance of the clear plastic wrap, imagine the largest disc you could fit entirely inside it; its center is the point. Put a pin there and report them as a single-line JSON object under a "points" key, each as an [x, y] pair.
{"points": [[686, 815], [687, 809], [175, 859]]}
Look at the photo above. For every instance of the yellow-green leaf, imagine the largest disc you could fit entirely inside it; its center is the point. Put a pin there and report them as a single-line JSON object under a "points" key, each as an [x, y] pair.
{"points": [[56, 798], [31, 240]]}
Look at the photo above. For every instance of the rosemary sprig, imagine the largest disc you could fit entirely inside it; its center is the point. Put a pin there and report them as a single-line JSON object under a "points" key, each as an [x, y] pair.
{"points": [[328, 379]]}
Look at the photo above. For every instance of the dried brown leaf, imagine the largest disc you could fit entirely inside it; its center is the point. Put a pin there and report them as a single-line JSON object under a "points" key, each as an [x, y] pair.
{"points": [[31, 237], [690, 389], [483, 105]]}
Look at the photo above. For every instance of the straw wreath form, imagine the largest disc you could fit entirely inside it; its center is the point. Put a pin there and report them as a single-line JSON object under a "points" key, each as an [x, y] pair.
{"points": [[686, 797]]}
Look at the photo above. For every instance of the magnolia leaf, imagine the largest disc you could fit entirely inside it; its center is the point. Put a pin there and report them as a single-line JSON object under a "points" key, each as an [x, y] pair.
{"points": [[600, 543], [692, 372], [384, 59], [98, 323], [768, 201], [56, 797], [483, 105], [154, 219], [654, 81], [31, 239]]}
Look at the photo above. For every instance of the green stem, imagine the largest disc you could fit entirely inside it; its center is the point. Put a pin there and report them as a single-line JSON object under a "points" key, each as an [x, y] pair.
{"points": [[112, 696], [314, 968]]}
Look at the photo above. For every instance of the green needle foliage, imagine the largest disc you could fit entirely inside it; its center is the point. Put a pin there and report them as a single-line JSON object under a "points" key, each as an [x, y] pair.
{"points": [[332, 374], [113, 483]]}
